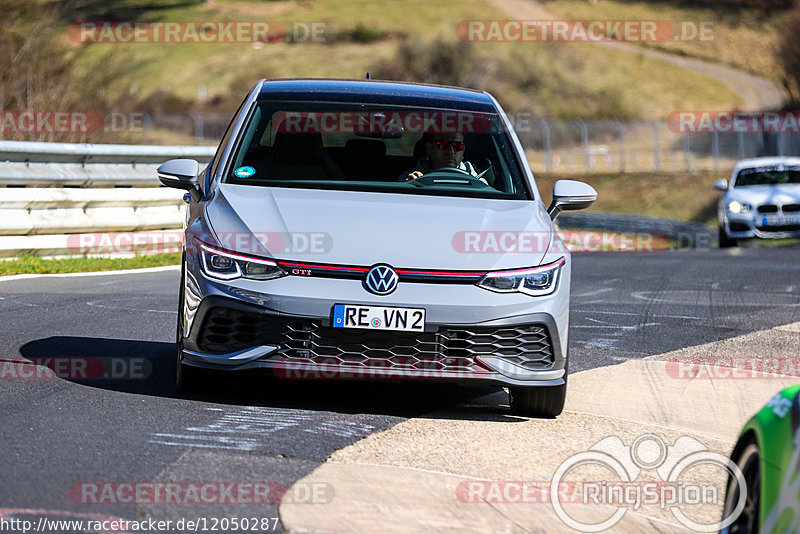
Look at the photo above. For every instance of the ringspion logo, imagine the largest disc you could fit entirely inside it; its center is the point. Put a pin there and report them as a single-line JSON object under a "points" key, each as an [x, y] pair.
{"points": [[624, 491]]}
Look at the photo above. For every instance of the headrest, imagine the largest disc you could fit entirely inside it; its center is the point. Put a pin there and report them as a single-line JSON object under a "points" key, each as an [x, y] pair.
{"points": [[365, 148], [293, 146]]}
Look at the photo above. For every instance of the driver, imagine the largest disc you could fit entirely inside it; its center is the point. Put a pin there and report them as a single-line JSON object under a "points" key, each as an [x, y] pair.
{"points": [[443, 150]]}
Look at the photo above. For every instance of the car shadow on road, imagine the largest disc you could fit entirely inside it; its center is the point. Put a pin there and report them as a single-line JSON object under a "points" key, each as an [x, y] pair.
{"points": [[148, 368]]}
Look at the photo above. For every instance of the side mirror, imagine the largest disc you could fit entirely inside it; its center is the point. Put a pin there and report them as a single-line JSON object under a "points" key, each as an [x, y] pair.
{"points": [[721, 184], [181, 174], [571, 195]]}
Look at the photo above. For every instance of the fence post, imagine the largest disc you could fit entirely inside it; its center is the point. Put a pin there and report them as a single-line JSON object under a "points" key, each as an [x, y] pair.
{"points": [[587, 160], [654, 124], [621, 128], [715, 148], [741, 144], [198, 127], [687, 150], [547, 147], [148, 124]]}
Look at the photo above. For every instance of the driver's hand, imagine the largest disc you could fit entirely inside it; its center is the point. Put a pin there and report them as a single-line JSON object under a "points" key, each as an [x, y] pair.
{"points": [[413, 175]]}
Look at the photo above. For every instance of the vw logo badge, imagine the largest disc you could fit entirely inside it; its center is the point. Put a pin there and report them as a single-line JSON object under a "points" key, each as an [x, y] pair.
{"points": [[381, 280]]}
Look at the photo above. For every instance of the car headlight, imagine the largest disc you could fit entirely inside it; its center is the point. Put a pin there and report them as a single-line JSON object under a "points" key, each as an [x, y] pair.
{"points": [[734, 206], [536, 281], [228, 265]]}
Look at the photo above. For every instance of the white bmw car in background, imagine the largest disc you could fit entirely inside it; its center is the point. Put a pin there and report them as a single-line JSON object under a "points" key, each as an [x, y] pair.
{"points": [[761, 200], [313, 250]]}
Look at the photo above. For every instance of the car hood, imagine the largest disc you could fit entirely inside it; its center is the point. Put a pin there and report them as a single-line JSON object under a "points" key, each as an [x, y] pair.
{"points": [[363, 228], [766, 194]]}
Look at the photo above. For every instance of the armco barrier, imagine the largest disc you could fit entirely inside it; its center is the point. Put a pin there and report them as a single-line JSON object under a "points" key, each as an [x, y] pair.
{"points": [[684, 234], [56, 164], [28, 211], [117, 191]]}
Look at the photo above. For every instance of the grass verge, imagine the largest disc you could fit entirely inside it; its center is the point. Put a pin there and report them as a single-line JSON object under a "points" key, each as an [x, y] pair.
{"points": [[741, 37], [81, 264], [686, 196], [558, 81]]}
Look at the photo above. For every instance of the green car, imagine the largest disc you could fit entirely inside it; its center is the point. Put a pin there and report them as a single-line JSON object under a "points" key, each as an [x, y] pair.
{"points": [[768, 454]]}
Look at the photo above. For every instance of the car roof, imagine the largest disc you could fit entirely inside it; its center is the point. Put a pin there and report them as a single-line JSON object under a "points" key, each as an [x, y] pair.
{"points": [[377, 92]]}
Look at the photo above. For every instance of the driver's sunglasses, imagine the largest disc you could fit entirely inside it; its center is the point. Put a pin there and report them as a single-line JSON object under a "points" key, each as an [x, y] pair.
{"points": [[443, 144]]}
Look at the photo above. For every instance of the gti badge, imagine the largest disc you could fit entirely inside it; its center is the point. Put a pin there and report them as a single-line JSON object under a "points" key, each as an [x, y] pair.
{"points": [[381, 280]]}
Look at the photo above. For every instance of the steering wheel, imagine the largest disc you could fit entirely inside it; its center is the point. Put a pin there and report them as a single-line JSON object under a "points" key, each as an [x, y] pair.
{"points": [[450, 169], [463, 178]]}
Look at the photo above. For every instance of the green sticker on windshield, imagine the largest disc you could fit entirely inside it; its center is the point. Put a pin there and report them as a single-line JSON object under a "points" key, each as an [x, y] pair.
{"points": [[244, 172]]}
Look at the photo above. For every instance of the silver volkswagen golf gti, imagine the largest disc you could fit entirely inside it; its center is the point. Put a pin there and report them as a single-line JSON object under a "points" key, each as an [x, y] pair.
{"points": [[374, 230]]}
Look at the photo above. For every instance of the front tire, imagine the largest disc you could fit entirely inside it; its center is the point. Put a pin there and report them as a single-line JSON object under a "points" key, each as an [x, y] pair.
{"points": [[724, 240], [531, 401], [748, 457], [187, 378]]}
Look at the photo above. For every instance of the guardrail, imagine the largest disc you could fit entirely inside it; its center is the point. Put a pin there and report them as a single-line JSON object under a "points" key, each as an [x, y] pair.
{"points": [[684, 234], [33, 211], [117, 191], [55, 164]]}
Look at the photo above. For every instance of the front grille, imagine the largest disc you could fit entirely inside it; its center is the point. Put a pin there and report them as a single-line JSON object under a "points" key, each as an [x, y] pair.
{"points": [[768, 208], [779, 228], [791, 208], [308, 342], [225, 330]]}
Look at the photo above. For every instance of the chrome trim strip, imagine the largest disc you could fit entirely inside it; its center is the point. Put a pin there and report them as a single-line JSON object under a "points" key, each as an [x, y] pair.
{"points": [[516, 372], [232, 358], [288, 371]]}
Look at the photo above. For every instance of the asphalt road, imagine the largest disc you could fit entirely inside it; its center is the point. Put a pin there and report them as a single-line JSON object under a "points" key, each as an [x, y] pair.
{"points": [[636, 305], [69, 446]]}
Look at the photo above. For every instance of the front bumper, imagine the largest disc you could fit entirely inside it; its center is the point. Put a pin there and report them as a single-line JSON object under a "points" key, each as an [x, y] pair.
{"points": [[754, 225], [229, 334]]}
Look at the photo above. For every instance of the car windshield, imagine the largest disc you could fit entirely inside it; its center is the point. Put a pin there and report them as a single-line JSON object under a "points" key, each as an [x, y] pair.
{"points": [[387, 149], [773, 175]]}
